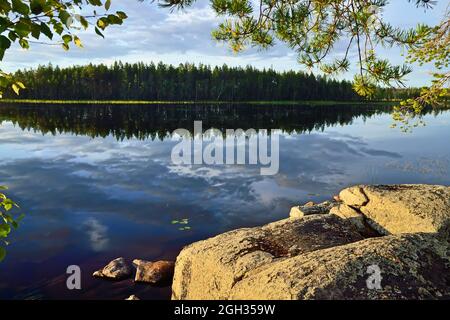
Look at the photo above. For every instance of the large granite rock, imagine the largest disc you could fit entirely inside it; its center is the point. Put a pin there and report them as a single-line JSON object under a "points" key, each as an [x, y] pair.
{"points": [[398, 209], [379, 242], [210, 269]]}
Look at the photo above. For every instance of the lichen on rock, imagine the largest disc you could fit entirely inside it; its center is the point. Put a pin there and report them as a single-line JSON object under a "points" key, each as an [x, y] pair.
{"points": [[412, 266]]}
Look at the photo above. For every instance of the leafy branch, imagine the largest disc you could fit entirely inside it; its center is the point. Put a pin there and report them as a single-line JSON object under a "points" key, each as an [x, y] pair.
{"points": [[26, 21], [313, 28], [8, 221]]}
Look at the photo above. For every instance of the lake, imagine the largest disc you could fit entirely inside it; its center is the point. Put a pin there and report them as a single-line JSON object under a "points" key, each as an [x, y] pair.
{"points": [[97, 182]]}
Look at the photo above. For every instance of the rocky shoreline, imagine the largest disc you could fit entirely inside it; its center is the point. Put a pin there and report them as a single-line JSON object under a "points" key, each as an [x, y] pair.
{"points": [[369, 242]]}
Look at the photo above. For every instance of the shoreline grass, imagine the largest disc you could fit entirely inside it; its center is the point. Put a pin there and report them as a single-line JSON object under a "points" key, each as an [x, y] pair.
{"points": [[191, 102]]}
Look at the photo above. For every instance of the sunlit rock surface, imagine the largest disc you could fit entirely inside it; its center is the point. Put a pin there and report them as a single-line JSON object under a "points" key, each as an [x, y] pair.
{"points": [[397, 209], [117, 269], [378, 242], [310, 208], [412, 266], [210, 269], [153, 272]]}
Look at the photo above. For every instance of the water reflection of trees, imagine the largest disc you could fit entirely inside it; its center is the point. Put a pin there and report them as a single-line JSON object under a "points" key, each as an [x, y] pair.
{"points": [[158, 121]]}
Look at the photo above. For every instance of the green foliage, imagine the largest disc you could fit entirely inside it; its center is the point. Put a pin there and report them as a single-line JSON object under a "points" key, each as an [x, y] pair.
{"points": [[433, 47], [364, 86], [28, 21], [184, 224], [186, 82], [314, 27], [7, 80], [8, 221]]}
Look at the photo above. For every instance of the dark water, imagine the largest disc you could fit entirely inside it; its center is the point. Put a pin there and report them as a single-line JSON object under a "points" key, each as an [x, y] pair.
{"points": [[97, 182]]}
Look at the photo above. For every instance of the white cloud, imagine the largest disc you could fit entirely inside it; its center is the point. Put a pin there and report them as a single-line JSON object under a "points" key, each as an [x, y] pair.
{"points": [[97, 234], [155, 34]]}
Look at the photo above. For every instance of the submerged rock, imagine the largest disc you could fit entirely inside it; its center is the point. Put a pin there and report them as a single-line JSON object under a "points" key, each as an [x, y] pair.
{"points": [[153, 272], [210, 269], [117, 269]]}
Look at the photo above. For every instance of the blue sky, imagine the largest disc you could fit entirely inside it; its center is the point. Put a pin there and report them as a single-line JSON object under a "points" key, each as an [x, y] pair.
{"points": [[156, 34]]}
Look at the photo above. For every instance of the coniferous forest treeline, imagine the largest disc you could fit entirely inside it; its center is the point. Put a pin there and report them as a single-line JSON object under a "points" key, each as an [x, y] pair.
{"points": [[139, 81]]}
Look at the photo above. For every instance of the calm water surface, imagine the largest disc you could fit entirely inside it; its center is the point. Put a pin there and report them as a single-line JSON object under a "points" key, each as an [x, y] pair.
{"points": [[97, 182]]}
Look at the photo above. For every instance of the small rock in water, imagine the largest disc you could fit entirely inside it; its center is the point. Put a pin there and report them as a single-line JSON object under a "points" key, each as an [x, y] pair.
{"points": [[98, 274], [137, 262], [153, 272], [132, 297], [117, 269]]}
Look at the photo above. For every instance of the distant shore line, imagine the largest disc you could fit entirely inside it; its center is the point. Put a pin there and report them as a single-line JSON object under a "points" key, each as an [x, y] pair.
{"points": [[190, 102]]}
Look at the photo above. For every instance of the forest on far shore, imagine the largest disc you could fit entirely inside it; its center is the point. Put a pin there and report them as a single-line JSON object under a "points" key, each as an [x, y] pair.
{"points": [[186, 82]]}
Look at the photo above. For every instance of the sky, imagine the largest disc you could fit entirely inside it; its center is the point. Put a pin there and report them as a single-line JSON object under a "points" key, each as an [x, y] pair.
{"points": [[153, 34]]}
